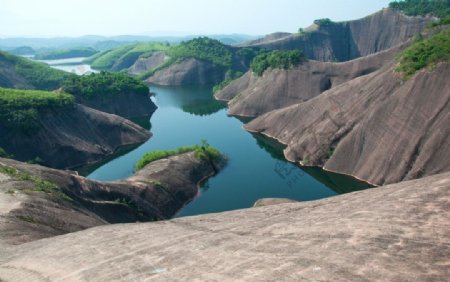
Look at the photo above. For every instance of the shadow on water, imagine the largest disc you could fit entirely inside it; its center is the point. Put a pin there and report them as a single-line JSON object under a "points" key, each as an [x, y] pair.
{"points": [[144, 122], [88, 169], [203, 107], [339, 183]]}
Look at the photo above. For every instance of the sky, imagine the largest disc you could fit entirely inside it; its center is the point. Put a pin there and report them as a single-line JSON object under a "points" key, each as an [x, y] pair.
{"points": [[49, 18]]}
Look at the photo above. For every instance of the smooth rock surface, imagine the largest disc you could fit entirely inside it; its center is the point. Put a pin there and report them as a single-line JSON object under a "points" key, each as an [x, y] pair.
{"points": [[378, 127], [189, 72], [399, 232], [272, 201], [252, 95], [345, 41]]}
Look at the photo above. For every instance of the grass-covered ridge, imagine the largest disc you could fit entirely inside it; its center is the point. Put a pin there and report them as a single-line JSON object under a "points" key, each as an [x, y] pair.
{"points": [[40, 75], [201, 48], [104, 84], [425, 53], [204, 152], [276, 59], [123, 57], [65, 53], [19, 109], [437, 8]]}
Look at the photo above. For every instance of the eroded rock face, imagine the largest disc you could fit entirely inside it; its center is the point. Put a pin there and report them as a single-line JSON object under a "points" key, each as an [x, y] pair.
{"points": [[349, 40], [127, 105], [145, 64], [393, 233], [72, 137], [377, 127], [189, 72], [31, 209], [253, 95]]}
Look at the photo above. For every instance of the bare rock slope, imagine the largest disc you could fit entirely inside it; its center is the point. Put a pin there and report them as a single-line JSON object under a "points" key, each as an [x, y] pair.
{"points": [[377, 127], [252, 95], [38, 202], [72, 137], [344, 41], [144, 64], [395, 233], [189, 72]]}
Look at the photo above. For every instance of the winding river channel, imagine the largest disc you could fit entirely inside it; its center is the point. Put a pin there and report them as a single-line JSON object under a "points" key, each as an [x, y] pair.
{"points": [[256, 168]]}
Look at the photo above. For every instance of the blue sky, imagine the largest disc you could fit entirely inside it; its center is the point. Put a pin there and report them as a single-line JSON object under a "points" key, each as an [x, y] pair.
{"points": [[172, 17]]}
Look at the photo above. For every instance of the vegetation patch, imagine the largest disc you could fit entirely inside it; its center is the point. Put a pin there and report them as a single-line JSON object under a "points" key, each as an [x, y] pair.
{"points": [[124, 56], [202, 48], [19, 108], [437, 8], [40, 185], [425, 53], [39, 75], [104, 84], [323, 22], [231, 76], [203, 152], [276, 59]]}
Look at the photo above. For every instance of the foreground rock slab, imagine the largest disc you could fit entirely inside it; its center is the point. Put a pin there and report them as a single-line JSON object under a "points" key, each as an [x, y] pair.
{"points": [[399, 232]]}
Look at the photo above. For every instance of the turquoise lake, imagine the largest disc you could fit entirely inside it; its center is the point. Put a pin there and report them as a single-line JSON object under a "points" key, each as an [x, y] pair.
{"points": [[256, 168]]}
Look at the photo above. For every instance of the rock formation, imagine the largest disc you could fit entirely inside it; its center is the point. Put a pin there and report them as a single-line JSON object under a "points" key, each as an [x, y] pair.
{"points": [[253, 95], [344, 41], [38, 202], [395, 233], [145, 64], [189, 72], [72, 137], [378, 127]]}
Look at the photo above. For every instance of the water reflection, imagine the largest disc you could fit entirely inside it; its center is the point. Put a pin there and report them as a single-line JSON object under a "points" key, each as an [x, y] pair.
{"points": [[339, 183]]}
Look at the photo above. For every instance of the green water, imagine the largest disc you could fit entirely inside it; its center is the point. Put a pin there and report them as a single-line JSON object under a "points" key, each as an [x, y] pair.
{"points": [[255, 169]]}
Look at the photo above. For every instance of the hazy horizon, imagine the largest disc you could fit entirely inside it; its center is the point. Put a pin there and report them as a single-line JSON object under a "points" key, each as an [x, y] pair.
{"points": [[52, 18]]}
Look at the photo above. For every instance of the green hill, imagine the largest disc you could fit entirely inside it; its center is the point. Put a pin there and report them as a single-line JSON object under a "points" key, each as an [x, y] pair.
{"points": [[66, 53], [18, 72], [123, 57]]}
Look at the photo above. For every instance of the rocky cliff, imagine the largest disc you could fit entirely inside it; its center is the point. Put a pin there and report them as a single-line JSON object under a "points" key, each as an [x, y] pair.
{"points": [[395, 233], [378, 127], [37, 202], [344, 41], [252, 95], [189, 72], [127, 105], [71, 137], [144, 64]]}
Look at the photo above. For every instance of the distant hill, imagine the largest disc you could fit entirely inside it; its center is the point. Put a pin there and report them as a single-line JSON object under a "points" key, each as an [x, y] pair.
{"points": [[18, 72], [66, 53]]}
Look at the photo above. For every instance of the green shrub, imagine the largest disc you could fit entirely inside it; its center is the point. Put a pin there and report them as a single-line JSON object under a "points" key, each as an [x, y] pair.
{"points": [[437, 8], [104, 84], [276, 59], [425, 53], [231, 76], [19, 108], [203, 152], [323, 22]]}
